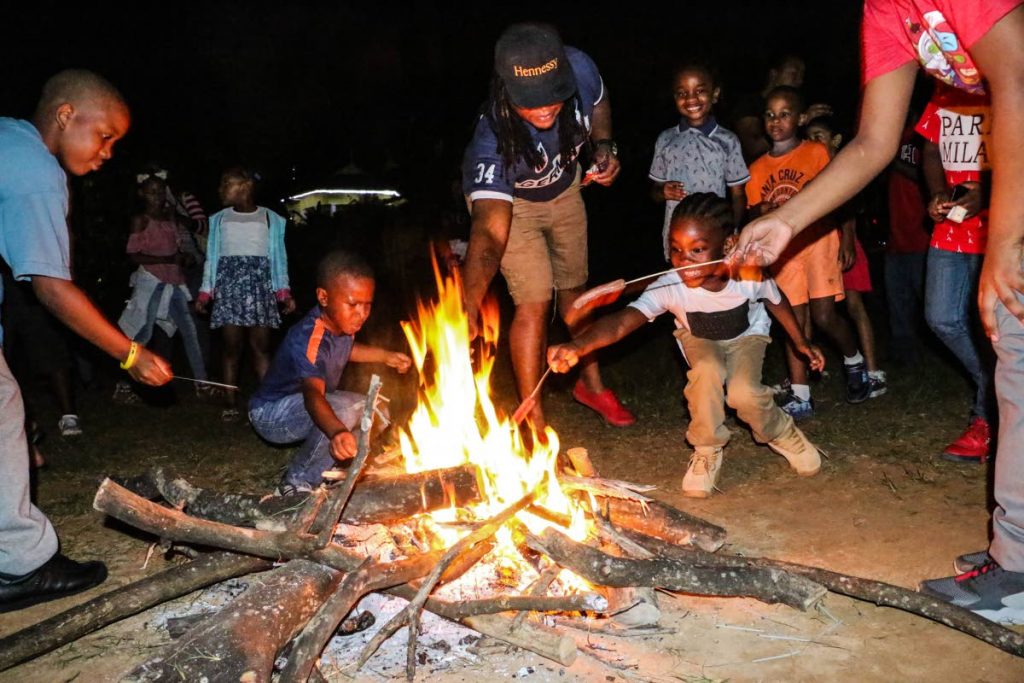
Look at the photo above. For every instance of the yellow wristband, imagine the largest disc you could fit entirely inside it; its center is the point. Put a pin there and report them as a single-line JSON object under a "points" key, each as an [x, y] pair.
{"points": [[133, 355]]}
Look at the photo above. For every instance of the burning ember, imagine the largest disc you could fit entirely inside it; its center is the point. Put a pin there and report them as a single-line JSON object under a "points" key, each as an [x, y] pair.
{"points": [[456, 423]]}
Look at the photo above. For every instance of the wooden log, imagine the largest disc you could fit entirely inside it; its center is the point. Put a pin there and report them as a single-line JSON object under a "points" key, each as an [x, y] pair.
{"points": [[132, 509], [240, 642], [580, 602], [663, 521], [877, 592], [629, 606], [767, 584], [337, 499], [369, 577], [483, 531], [544, 641], [376, 500], [123, 602]]}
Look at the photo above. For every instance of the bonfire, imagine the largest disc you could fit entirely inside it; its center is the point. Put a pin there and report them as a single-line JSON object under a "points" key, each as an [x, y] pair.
{"points": [[474, 517]]}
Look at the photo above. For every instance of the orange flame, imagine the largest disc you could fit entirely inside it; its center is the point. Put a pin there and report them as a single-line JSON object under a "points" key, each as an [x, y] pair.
{"points": [[456, 421]]}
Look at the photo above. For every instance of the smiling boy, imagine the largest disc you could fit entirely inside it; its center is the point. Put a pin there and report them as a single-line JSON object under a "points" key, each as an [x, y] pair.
{"points": [[299, 397], [697, 155], [76, 123]]}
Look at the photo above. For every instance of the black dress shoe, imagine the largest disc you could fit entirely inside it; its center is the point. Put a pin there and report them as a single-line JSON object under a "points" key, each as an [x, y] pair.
{"points": [[58, 578]]}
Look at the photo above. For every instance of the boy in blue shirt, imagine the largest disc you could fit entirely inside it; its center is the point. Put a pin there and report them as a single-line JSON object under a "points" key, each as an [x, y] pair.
{"points": [[299, 397], [76, 123]]}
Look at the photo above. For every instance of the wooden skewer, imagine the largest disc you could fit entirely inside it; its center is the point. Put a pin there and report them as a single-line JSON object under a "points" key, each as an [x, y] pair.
{"points": [[530, 401], [620, 284], [206, 381]]}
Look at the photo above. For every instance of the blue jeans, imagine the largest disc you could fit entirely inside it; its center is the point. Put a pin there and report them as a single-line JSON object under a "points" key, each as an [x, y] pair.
{"points": [[904, 292], [286, 420], [180, 315], [950, 307], [1008, 518]]}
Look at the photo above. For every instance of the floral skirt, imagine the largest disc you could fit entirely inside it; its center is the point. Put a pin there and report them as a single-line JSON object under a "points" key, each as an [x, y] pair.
{"points": [[244, 295]]}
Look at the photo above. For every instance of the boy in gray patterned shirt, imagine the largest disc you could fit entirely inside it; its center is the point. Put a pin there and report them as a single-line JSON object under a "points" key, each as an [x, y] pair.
{"points": [[697, 155]]}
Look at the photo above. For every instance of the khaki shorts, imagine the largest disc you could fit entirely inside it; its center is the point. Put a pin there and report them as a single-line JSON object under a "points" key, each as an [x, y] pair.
{"points": [[547, 246], [809, 267]]}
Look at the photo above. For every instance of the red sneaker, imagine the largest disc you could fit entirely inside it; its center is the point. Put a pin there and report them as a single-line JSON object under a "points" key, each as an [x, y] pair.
{"points": [[973, 444], [606, 403]]}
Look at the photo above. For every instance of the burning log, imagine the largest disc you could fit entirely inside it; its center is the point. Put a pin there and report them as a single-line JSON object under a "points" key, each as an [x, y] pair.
{"points": [[241, 641], [410, 615], [121, 504], [124, 602], [877, 592], [767, 584], [664, 522], [546, 642], [377, 499]]}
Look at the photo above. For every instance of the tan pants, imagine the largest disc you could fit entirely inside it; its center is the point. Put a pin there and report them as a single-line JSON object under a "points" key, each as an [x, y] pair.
{"points": [[728, 371]]}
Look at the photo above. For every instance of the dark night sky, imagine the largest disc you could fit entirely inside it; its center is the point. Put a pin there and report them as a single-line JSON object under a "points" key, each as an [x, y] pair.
{"points": [[316, 84]]}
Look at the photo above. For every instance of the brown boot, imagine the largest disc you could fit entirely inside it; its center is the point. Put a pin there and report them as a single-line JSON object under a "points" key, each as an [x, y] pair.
{"points": [[803, 456]]}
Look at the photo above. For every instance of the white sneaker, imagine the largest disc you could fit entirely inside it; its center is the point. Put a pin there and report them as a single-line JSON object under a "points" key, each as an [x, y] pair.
{"points": [[702, 472], [68, 425], [803, 456]]}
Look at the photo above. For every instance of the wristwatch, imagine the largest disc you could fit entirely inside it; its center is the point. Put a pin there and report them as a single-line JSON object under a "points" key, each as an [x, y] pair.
{"points": [[608, 142]]}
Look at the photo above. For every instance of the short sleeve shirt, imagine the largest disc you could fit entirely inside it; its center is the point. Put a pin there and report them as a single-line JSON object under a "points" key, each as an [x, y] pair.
{"points": [[484, 174], [308, 350], [33, 205], [669, 294], [777, 179], [704, 159], [960, 124], [937, 33]]}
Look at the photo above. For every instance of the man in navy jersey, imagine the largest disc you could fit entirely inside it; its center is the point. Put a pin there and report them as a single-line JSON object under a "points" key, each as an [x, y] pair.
{"points": [[522, 177]]}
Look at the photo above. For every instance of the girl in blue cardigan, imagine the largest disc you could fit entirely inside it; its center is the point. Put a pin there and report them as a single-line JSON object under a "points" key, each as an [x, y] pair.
{"points": [[246, 277]]}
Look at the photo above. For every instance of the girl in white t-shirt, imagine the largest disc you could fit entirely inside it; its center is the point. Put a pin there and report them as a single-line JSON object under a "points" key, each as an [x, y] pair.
{"points": [[723, 324], [246, 277]]}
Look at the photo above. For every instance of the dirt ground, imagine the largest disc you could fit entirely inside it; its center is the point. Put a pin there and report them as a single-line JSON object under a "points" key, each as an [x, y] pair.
{"points": [[883, 507]]}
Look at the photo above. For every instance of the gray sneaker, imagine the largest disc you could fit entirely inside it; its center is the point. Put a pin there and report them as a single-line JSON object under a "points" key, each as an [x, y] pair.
{"points": [[989, 591], [968, 562]]}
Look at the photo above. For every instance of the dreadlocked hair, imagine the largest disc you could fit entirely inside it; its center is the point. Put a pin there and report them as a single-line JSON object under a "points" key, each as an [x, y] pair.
{"points": [[514, 142], [708, 208]]}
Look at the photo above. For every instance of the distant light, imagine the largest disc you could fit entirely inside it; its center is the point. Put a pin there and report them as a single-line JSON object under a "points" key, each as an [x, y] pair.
{"points": [[382, 193]]}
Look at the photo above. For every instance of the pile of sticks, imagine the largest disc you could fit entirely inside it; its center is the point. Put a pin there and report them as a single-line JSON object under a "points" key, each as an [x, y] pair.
{"points": [[314, 580]]}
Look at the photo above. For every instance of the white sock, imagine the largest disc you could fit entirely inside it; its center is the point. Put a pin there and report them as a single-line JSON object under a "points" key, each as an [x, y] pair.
{"points": [[801, 391], [854, 359]]}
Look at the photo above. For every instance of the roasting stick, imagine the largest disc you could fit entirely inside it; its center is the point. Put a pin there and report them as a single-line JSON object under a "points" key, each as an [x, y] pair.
{"points": [[206, 381], [530, 401], [616, 286]]}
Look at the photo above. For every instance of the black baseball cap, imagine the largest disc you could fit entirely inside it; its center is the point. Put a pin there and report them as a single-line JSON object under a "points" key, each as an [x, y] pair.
{"points": [[530, 59]]}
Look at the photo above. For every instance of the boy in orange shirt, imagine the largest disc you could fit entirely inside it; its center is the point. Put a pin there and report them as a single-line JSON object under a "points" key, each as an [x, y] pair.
{"points": [[808, 271]]}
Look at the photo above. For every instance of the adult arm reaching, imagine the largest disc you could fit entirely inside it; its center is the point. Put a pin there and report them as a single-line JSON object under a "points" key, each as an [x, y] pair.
{"points": [[491, 222]]}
